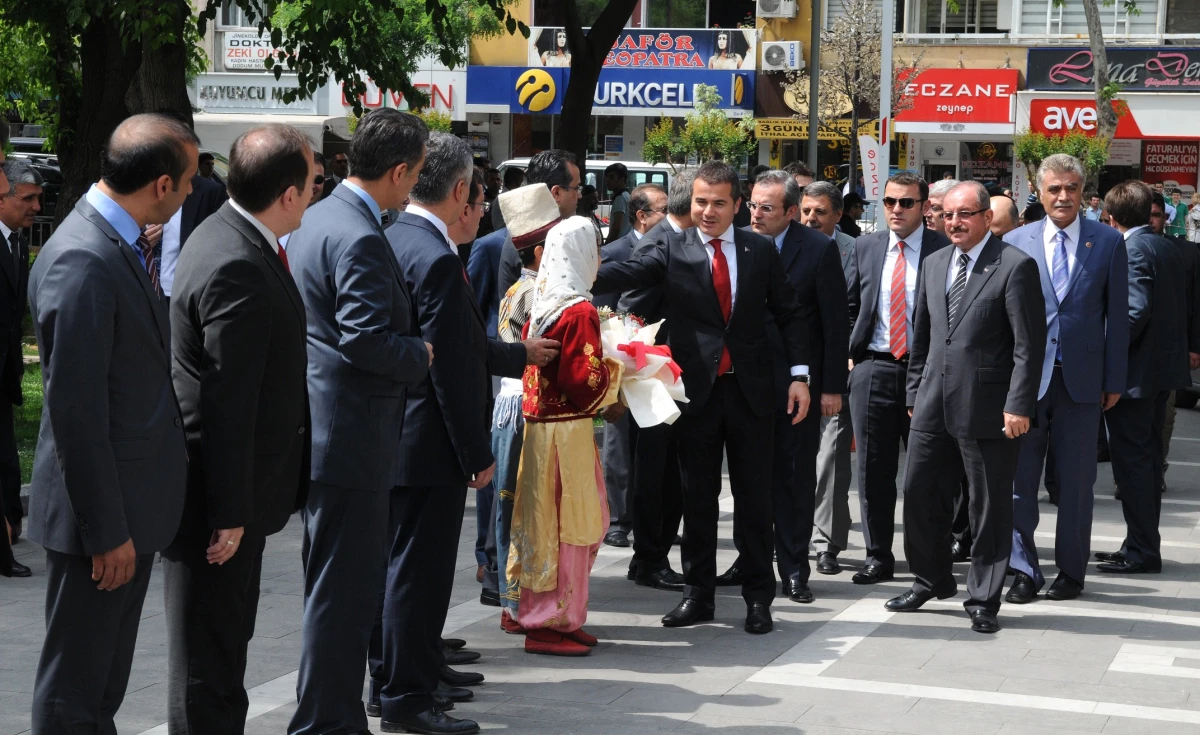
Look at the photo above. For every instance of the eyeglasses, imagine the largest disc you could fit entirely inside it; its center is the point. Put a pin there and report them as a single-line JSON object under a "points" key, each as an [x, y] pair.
{"points": [[479, 203], [1056, 189], [654, 211], [766, 208], [318, 180], [965, 214], [904, 202]]}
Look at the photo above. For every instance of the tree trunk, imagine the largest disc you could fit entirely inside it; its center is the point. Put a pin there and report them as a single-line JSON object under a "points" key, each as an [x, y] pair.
{"points": [[160, 84], [1106, 117], [587, 60]]}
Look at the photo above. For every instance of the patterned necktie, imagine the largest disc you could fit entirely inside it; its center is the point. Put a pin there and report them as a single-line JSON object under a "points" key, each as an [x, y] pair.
{"points": [[1061, 272], [898, 307], [724, 289], [956, 291], [283, 258], [150, 257]]}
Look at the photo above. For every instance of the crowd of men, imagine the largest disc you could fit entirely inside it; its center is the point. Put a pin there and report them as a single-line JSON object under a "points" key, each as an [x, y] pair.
{"points": [[218, 356]]}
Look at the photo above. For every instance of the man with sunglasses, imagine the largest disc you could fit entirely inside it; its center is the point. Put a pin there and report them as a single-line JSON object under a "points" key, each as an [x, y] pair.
{"points": [[1084, 284], [883, 289]]}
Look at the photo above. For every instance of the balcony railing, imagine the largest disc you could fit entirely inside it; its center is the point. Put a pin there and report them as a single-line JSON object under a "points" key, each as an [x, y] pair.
{"points": [[1044, 39]]}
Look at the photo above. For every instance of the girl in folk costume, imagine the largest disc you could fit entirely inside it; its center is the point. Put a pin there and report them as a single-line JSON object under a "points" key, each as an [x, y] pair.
{"points": [[560, 510]]}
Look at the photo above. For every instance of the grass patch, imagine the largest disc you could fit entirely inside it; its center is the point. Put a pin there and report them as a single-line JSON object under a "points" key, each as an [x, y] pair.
{"points": [[28, 417]]}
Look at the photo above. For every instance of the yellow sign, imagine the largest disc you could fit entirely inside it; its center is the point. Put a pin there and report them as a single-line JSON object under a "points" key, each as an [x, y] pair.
{"points": [[739, 89], [786, 128], [535, 90]]}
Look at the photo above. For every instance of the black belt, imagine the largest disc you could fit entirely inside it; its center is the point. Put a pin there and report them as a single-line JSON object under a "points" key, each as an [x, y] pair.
{"points": [[887, 357]]}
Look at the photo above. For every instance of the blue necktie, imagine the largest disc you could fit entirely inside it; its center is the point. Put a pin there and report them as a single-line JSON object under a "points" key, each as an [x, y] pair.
{"points": [[1061, 275]]}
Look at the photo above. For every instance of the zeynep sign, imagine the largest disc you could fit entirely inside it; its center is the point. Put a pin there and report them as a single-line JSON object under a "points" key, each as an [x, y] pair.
{"points": [[1135, 69], [960, 95]]}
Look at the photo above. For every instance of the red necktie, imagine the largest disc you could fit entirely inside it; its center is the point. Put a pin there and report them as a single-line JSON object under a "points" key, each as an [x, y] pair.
{"points": [[721, 284], [283, 258], [898, 309]]}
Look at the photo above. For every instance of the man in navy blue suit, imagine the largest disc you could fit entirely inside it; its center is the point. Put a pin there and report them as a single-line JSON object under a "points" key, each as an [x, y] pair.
{"points": [[1083, 269]]}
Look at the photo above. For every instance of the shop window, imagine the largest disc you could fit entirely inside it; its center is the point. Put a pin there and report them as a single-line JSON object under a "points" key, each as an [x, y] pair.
{"points": [[676, 13], [233, 16], [1044, 16], [553, 12], [835, 12]]}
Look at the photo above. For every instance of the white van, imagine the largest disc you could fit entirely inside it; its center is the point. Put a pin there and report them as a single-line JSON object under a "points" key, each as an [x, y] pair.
{"points": [[639, 173]]}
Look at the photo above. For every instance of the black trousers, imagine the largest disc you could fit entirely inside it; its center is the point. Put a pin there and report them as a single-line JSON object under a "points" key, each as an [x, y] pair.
{"points": [[880, 415], [657, 498], [1135, 428], [6, 555], [88, 651], [10, 466], [933, 476], [961, 528], [211, 610], [794, 488], [420, 580], [726, 423]]}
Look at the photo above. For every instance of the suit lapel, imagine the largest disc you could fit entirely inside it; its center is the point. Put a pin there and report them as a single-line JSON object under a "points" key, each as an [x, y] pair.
{"points": [[1037, 249], [985, 266], [791, 247], [1082, 251], [745, 262], [877, 255], [937, 264], [272, 259], [697, 258], [10, 266], [424, 224]]}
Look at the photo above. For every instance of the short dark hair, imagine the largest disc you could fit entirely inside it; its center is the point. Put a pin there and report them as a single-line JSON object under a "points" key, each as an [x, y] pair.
{"points": [[513, 177], [639, 201], [852, 200], [385, 139], [550, 168], [827, 190], [1033, 213], [477, 186], [586, 189], [447, 162], [1158, 199], [264, 163], [908, 178], [318, 158], [205, 156], [1090, 194], [718, 172], [617, 168], [528, 256], [1128, 204], [143, 148], [798, 168], [755, 173]]}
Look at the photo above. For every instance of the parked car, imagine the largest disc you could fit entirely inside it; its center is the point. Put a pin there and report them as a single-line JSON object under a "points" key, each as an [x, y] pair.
{"points": [[639, 173]]}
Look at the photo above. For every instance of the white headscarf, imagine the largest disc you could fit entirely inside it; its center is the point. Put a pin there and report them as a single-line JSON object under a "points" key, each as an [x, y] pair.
{"points": [[568, 270]]}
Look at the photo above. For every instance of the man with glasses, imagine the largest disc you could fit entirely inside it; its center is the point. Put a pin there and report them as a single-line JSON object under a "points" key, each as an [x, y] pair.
{"points": [[883, 290], [1083, 274], [803, 176], [339, 167], [937, 193], [559, 171], [318, 180]]}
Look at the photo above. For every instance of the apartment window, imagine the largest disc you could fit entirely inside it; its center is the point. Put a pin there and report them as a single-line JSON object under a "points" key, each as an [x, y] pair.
{"points": [[676, 13], [553, 12], [973, 16], [233, 16]]}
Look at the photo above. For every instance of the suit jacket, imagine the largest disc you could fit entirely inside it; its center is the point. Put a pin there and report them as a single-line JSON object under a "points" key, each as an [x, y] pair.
{"points": [[447, 422], [1189, 254], [963, 377], [361, 355], [1158, 347], [1094, 342], [110, 462], [866, 276], [649, 303], [206, 198], [238, 340], [617, 251], [510, 267], [846, 249], [14, 295], [813, 266], [483, 268], [679, 263]]}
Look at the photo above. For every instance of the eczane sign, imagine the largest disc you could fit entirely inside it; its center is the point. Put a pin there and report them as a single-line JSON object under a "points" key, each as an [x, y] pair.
{"points": [[959, 100]]}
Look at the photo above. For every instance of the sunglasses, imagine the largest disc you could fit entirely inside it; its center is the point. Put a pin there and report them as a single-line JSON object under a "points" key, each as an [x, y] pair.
{"points": [[904, 202], [318, 180]]}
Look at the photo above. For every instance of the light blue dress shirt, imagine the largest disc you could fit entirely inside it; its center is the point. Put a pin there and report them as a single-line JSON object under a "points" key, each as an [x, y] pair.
{"points": [[362, 194], [116, 216]]}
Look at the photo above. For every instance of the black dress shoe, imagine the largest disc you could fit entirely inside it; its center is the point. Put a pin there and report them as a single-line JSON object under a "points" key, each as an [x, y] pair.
{"points": [[959, 552], [631, 575], [459, 678], [431, 722], [1127, 567], [1022, 591], [912, 600], [758, 618], [1064, 588], [872, 574], [1109, 556], [663, 579], [460, 657], [689, 611], [617, 537], [19, 570], [454, 643], [827, 563], [731, 577], [454, 694], [374, 709], [491, 598], [797, 591], [983, 621]]}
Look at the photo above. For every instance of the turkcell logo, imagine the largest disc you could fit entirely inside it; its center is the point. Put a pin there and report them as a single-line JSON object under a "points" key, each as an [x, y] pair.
{"points": [[535, 90], [644, 94]]}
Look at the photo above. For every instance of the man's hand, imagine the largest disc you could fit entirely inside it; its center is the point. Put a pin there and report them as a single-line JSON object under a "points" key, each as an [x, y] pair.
{"points": [[429, 349], [1194, 360], [540, 351], [850, 365], [831, 404], [798, 401], [483, 478], [153, 233], [114, 567], [224, 544], [1015, 425], [1109, 400]]}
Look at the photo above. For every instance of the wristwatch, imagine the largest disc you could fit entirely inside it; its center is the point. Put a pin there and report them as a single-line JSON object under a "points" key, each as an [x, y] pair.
{"points": [[806, 379]]}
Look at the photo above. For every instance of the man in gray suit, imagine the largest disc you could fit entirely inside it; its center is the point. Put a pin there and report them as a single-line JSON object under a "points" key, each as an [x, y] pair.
{"points": [[109, 471], [360, 364], [978, 338], [820, 209]]}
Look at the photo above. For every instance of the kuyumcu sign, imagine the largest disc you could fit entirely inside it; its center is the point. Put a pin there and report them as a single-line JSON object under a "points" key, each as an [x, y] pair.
{"points": [[959, 101]]}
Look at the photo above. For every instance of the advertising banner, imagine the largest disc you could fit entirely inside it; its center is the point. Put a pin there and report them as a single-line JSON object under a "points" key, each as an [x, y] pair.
{"points": [[239, 93], [1174, 163], [245, 50], [447, 90], [648, 48], [872, 177], [788, 128], [942, 98], [1171, 69]]}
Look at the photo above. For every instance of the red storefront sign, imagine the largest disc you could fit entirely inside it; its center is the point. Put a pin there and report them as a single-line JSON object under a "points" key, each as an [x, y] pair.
{"points": [[968, 96], [1175, 161], [1059, 117]]}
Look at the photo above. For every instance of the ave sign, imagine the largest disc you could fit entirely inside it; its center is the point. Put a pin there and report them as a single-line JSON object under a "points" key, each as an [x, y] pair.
{"points": [[1062, 116], [1063, 119]]}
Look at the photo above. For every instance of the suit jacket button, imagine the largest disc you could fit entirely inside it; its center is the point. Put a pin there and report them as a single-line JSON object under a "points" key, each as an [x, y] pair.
{"points": [[1053, 341], [300, 430], [947, 341], [178, 421]]}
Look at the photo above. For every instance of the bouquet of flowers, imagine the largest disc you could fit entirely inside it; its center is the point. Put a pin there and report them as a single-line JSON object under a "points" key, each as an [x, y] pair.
{"points": [[651, 385]]}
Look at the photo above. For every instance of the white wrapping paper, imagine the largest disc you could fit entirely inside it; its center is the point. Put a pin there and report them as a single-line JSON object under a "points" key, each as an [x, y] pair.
{"points": [[651, 392]]}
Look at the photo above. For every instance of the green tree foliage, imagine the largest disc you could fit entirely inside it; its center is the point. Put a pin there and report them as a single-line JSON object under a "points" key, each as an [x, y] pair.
{"points": [[1032, 148], [706, 134]]}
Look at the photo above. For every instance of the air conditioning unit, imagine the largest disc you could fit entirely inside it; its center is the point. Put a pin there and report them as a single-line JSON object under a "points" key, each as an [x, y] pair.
{"points": [[782, 55], [776, 8]]}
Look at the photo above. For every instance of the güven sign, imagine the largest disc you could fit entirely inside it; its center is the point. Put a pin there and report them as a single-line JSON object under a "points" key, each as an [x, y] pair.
{"points": [[960, 95], [1135, 69]]}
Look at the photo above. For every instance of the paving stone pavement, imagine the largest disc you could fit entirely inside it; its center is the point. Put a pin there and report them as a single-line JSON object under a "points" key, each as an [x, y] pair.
{"points": [[1124, 658]]}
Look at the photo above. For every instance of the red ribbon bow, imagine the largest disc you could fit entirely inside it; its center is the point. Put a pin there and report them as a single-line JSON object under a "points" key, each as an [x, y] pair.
{"points": [[639, 350]]}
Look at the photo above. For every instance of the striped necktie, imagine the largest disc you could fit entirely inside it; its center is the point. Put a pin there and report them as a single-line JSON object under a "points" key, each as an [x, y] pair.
{"points": [[151, 255], [898, 307], [1061, 271], [956, 291]]}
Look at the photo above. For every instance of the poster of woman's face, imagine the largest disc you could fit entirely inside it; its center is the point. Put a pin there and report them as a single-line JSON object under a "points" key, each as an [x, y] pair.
{"points": [[731, 52], [550, 48]]}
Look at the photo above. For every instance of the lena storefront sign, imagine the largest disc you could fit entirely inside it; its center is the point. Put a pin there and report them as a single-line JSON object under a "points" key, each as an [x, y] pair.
{"points": [[976, 101], [1135, 69]]}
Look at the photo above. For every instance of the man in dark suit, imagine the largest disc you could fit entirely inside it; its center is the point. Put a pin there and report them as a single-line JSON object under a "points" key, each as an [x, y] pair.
{"points": [[17, 210], [886, 263], [1082, 269], [483, 269], [647, 205], [238, 340], [813, 267], [109, 470], [657, 488], [559, 171], [978, 336], [1158, 364], [361, 361], [9, 566], [719, 339]]}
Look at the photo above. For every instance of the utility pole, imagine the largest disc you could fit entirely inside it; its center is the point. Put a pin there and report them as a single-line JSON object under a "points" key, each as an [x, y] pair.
{"points": [[814, 76], [885, 103]]}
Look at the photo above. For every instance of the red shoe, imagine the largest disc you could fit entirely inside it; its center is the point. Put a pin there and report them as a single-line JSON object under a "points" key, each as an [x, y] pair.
{"points": [[553, 643], [580, 635], [508, 625]]}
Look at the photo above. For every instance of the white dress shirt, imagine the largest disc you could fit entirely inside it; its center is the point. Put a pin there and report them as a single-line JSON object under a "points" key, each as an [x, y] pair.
{"points": [[6, 233], [730, 251], [262, 229], [170, 252], [1050, 241], [972, 257], [1128, 233], [675, 225], [881, 340], [435, 220]]}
